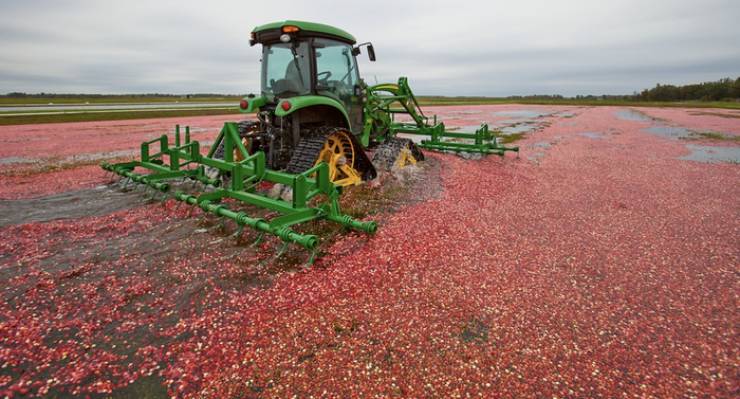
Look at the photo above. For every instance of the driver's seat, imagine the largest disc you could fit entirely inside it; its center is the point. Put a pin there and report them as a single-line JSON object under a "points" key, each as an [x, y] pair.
{"points": [[292, 81], [292, 73]]}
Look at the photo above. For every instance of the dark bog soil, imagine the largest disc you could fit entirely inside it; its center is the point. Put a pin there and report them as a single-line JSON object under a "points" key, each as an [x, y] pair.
{"points": [[128, 290], [67, 205]]}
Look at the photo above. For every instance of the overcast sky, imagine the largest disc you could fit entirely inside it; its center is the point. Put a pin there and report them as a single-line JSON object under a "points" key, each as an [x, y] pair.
{"points": [[493, 48]]}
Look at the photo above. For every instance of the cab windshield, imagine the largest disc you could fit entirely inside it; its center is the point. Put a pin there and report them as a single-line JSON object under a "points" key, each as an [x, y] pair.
{"points": [[336, 71], [285, 70]]}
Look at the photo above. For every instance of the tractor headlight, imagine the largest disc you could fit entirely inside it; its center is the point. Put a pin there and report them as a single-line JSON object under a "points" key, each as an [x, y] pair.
{"points": [[285, 38]]}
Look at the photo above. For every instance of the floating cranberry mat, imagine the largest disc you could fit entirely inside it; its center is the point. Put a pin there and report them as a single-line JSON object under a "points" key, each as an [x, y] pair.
{"points": [[602, 262]]}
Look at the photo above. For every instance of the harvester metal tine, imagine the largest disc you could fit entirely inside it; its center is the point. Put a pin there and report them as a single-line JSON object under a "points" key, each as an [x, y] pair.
{"points": [[221, 224], [238, 233], [282, 250], [258, 241], [312, 257], [150, 194]]}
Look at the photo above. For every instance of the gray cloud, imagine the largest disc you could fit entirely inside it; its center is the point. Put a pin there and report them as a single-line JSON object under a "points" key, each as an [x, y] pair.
{"points": [[454, 48]]}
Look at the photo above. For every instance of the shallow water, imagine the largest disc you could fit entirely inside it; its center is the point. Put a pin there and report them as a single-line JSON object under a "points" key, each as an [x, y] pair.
{"points": [[698, 153], [509, 122], [466, 112], [523, 114], [592, 135], [15, 160], [520, 128], [632, 115], [672, 132], [712, 154], [67, 205]]}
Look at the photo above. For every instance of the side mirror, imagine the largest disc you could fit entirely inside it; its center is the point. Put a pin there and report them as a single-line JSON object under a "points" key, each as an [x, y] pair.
{"points": [[370, 50]]}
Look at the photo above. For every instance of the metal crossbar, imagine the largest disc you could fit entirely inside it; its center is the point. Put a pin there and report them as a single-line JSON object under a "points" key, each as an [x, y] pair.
{"points": [[483, 141], [245, 176]]}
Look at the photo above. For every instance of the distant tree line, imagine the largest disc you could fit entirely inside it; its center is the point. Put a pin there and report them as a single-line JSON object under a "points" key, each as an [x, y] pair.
{"points": [[722, 90]]}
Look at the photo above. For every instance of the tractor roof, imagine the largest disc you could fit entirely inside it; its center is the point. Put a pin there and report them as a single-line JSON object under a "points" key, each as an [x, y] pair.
{"points": [[309, 29]]}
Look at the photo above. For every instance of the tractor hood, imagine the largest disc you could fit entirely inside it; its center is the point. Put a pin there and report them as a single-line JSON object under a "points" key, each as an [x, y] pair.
{"points": [[271, 32]]}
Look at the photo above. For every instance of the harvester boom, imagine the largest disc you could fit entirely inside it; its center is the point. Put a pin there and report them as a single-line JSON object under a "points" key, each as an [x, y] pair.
{"points": [[386, 96]]}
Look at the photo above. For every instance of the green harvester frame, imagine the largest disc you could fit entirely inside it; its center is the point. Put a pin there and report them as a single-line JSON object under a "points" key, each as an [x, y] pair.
{"points": [[187, 162], [284, 119], [384, 101]]}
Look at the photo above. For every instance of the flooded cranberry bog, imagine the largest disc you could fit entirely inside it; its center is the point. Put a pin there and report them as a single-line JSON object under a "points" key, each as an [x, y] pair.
{"points": [[601, 262]]}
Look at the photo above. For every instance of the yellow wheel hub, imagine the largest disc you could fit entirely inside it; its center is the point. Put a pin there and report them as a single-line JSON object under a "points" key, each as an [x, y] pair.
{"points": [[339, 153], [405, 158]]}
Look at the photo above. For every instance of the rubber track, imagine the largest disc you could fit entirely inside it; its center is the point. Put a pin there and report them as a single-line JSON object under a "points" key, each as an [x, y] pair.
{"points": [[387, 153], [309, 147], [306, 152]]}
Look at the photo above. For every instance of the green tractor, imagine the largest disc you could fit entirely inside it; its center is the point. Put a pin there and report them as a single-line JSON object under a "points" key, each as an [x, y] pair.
{"points": [[314, 106], [319, 127]]}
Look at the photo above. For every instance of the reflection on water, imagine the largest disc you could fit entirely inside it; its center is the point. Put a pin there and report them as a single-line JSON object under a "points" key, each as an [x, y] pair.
{"points": [[14, 160], [669, 131], [592, 135], [519, 128], [523, 114], [632, 115], [712, 154]]}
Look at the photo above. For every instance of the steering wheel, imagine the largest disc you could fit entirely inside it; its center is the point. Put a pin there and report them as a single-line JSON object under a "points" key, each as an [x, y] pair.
{"points": [[325, 78]]}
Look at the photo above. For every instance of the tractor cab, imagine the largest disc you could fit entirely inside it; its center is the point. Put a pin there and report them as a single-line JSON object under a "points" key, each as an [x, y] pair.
{"points": [[310, 59], [311, 103]]}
